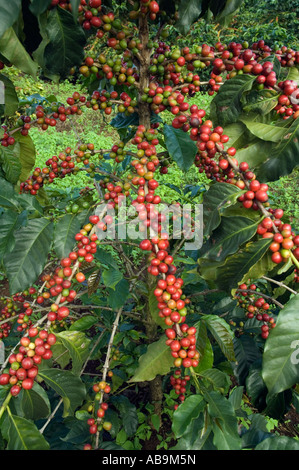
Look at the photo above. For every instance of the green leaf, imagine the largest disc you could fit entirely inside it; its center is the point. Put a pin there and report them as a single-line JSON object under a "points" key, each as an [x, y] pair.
{"points": [[204, 347], [225, 424], [22, 434], [189, 11], [217, 198], [67, 385], [8, 224], [13, 50], [226, 107], [278, 443], [179, 146], [11, 100], [265, 131], [9, 14], [227, 238], [10, 165], [75, 4], [8, 197], [24, 149], [156, 361], [246, 352], [35, 403], [189, 410], [77, 344], [111, 277], [280, 369], [66, 43], [30, 254], [222, 334], [65, 231], [216, 379], [284, 157], [119, 294], [255, 153], [37, 7], [128, 414], [83, 323], [239, 264]]}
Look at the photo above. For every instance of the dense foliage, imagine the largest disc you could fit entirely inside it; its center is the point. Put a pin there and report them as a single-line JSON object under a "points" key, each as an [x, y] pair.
{"points": [[139, 342]]}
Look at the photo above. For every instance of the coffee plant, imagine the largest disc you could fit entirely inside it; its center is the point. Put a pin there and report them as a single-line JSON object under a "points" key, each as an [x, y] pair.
{"points": [[117, 338]]}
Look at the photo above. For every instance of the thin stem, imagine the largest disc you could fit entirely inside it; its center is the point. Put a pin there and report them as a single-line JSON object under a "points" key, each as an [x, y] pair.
{"points": [[281, 284]]}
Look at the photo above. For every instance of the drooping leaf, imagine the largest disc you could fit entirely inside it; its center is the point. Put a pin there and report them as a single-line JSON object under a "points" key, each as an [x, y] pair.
{"points": [[268, 132], [226, 107], [284, 157], [156, 361], [246, 353], [35, 403], [280, 360], [10, 164], [238, 265], [222, 334], [228, 237], [77, 344], [13, 50], [67, 385], [11, 100], [217, 198], [225, 424], [66, 43], [189, 410], [278, 443], [37, 7], [9, 222], [189, 11], [22, 434], [179, 146], [9, 14], [32, 246], [24, 149]]}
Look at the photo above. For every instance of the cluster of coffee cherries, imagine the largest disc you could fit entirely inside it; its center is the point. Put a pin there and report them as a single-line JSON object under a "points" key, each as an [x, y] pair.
{"points": [[183, 346], [179, 383], [23, 365], [256, 307], [11, 311], [104, 101]]}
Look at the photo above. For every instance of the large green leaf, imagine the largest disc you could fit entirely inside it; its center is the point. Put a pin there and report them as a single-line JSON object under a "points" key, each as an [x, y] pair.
{"points": [[24, 150], [156, 361], [11, 165], [189, 11], [225, 424], [11, 100], [264, 131], [255, 153], [66, 42], [37, 7], [284, 157], [9, 222], [67, 385], [222, 334], [22, 434], [189, 410], [278, 443], [34, 403], [13, 50], [154, 310], [65, 231], [246, 352], [228, 237], [32, 246], [217, 198], [9, 14], [8, 197], [280, 360], [77, 344], [226, 107], [238, 265], [179, 146]]}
